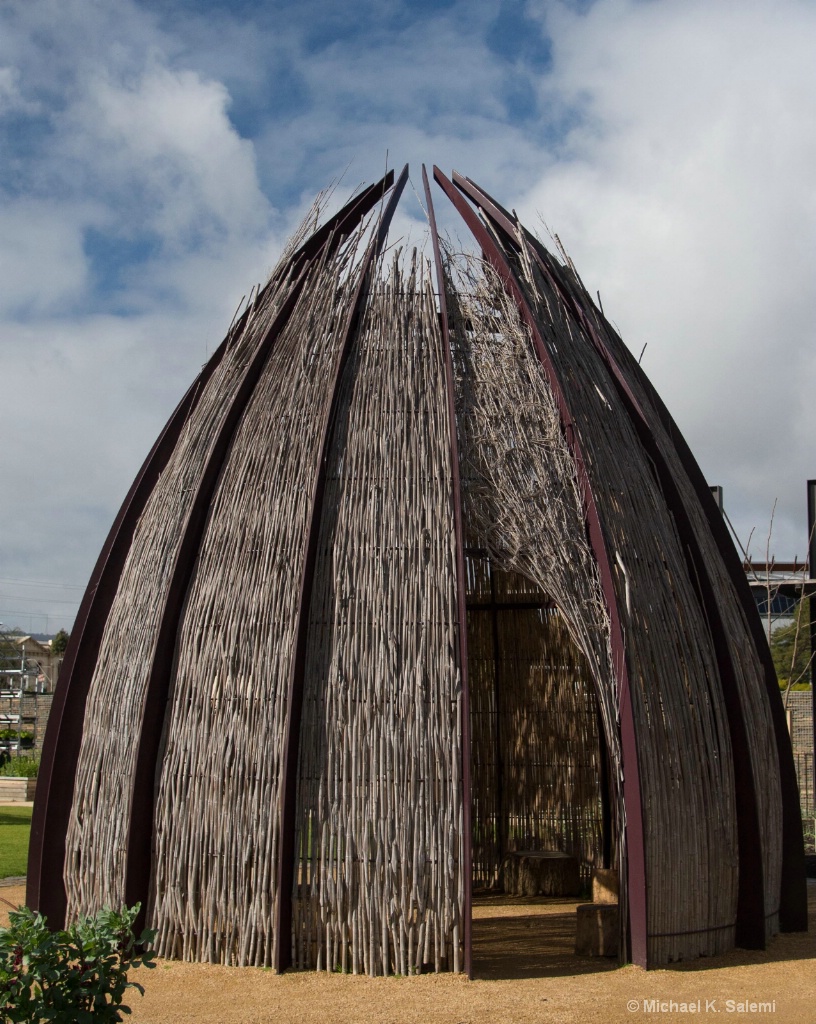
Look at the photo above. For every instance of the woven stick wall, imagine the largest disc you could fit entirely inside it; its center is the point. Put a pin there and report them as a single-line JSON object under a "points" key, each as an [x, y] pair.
{"points": [[380, 887], [97, 834], [274, 756], [216, 845], [95, 845], [686, 775], [735, 629]]}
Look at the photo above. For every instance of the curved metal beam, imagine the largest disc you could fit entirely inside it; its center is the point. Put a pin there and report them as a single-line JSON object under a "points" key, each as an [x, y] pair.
{"points": [[793, 915], [793, 887], [793, 893], [636, 861], [750, 921], [337, 228], [45, 889], [294, 706], [461, 588]]}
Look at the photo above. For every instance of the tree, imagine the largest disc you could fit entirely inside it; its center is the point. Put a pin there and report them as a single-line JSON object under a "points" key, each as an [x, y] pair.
{"points": [[60, 642], [790, 648]]}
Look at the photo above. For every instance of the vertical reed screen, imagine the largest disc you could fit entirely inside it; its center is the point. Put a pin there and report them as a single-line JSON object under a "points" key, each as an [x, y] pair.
{"points": [[549, 739], [379, 887], [685, 758], [97, 833], [535, 752], [216, 818]]}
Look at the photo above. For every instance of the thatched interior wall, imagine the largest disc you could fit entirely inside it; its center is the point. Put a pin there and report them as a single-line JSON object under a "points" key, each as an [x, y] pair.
{"points": [[521, 497]]}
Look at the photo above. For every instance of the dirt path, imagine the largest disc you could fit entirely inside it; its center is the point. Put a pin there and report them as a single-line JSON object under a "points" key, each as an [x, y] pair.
{"points": [[525, 973]]}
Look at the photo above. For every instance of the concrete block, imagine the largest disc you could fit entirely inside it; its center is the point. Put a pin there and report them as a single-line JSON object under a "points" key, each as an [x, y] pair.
{"points": [[16, 789]]}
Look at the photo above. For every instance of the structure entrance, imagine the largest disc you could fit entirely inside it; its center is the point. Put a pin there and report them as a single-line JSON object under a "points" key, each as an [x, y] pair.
{"points": [[538, 765]]}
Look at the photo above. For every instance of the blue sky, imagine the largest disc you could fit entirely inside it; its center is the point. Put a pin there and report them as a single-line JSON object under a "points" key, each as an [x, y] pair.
{"points": [[154, 156]]}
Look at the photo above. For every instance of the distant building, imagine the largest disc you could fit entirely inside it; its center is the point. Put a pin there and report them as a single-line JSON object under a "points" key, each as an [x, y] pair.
{"points": [[34, 669]]}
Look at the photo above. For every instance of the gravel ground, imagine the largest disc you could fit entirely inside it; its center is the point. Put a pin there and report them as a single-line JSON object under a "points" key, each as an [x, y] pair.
{"points": [[525, 972]]}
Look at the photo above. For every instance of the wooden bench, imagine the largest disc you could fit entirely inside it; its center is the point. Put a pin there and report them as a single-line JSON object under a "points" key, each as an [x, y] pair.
{"points": [[540, 873]]}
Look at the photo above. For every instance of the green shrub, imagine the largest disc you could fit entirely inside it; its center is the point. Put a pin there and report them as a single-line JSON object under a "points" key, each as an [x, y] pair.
{"points": [[14, 736], [21, 767], [809, 829], [78, 976]]}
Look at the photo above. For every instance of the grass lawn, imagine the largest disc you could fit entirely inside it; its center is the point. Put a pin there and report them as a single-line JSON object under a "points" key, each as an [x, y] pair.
{"points": [[15, 826]]}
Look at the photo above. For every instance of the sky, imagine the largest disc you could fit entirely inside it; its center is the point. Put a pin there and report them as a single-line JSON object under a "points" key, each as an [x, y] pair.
{"points": [[155, 156]]}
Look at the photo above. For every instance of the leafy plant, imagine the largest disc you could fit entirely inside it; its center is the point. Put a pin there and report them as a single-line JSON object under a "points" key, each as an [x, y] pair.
{"points": [[21, 767], [23, 738], [77, 976], [790, 648]]}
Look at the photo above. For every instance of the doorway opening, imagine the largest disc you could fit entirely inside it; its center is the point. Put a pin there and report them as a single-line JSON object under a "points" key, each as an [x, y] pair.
{"points": [[540, 802]]}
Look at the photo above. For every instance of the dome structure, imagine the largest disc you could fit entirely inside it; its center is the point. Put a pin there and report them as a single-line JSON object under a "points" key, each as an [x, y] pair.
{"points": [[419, 573]]}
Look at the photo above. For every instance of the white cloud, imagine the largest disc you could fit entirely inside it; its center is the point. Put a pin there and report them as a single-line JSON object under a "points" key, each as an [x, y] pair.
{"points": [[11, 99], [671, 148], [685, 193], [127, 236], [42, 261], [166, 138]]}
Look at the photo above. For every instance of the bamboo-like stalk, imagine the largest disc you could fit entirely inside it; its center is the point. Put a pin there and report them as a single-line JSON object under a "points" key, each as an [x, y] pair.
{"points": [[219, 786], [379, 796], [95, 843]]}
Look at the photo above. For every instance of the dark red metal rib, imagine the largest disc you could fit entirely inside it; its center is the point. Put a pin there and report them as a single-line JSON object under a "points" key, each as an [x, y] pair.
{"points": [[287, 831], [337, 228], [793, 892], [140, 824], [636, 874], [461, 587], [45, 889], [750, 922]]}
